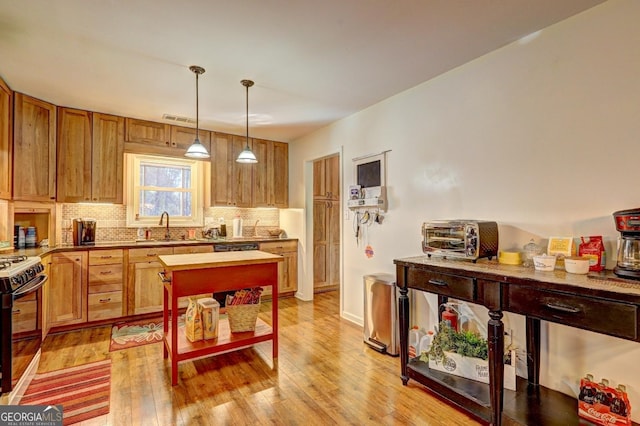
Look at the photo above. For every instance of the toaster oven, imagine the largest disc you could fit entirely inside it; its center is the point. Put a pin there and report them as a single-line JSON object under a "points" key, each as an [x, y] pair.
{"points": [[460, 239]]}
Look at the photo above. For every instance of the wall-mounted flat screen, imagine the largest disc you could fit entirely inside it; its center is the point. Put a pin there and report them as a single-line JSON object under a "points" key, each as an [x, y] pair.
{"points": [[369, 174]]}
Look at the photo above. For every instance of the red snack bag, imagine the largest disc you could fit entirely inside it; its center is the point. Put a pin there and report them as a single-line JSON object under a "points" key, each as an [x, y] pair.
{"points": [[594, 250]]}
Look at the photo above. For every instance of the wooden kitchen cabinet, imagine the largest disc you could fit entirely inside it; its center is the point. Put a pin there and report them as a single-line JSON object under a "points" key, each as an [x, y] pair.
{"points": [[148, 132], [34, 149], [74, 155], [6, 140], [106, 280], [90, 155], [326, 178], [271, 174], [288, 269], [230, 181], [144, 286], [107, 157], [326, 245], [67, 298]]}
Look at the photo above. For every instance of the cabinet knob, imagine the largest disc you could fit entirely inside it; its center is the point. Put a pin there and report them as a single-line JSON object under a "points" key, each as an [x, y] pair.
{"points": [[105, 300]]}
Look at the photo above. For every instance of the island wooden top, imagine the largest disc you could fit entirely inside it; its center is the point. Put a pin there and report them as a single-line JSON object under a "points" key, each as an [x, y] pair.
{"points": [[179, 262]]}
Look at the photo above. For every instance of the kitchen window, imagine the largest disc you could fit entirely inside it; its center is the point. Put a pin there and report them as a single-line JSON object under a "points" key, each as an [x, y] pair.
{"points": [[158, 184]]}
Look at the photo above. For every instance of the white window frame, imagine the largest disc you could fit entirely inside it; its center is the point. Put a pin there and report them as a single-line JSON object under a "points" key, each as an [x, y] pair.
{"points": [[199, 172]]}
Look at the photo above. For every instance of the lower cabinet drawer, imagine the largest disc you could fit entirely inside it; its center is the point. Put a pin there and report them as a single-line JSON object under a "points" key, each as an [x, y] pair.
{"points": [[443, 284], [105, 274], [105, 305], [602, 316]]}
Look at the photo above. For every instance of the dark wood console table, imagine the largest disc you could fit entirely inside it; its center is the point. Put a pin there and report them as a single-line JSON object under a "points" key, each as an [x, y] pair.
{"points": [[598, 302]]}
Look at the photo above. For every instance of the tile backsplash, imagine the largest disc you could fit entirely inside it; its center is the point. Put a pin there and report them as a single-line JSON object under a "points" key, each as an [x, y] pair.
{"points": [[111, 221]]}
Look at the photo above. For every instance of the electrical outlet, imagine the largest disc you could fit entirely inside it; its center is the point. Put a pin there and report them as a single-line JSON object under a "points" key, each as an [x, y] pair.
{"points": [[346, 214]]}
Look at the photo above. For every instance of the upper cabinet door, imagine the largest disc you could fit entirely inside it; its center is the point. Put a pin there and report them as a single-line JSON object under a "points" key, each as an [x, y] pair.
{"points": [[34, 149], [242, 173], [221, 169], [6, 140], [107, 158], [148, 132], [74, 155], [262, 183], [279, 175], [270, 174]]}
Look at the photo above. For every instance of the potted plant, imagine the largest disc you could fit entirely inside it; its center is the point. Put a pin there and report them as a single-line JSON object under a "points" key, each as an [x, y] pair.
{"points": [[465, 354], [464, 343]]}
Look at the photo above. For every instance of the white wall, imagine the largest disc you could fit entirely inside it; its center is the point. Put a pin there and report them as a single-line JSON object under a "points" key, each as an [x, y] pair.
{"points": [[541, 136]]}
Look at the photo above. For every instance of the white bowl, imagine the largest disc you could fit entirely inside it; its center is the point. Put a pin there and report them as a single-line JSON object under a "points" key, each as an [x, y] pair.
{"points": [[576, 265], [544, 262]]}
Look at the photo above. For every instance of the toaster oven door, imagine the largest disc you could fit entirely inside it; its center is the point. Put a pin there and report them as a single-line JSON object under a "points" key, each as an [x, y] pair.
{"points": [[445, 239]]}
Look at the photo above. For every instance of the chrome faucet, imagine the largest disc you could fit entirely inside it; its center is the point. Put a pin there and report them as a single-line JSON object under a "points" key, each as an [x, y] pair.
{"points": [[167, 235], [255, 228]]}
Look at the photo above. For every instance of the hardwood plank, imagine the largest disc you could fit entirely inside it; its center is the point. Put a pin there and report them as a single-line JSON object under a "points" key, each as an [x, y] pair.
{"points": [[324, 375]]}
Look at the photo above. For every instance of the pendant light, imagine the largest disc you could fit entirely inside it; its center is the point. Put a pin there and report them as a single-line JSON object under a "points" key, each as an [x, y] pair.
{"points": [[197, 150], [246, 156]]}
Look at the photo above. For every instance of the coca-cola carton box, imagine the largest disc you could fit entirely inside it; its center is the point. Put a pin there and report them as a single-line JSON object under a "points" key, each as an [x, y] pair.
{"points": [[602, 404]]}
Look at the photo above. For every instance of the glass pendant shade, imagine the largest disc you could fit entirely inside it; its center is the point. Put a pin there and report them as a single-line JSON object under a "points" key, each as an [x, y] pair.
{"points": [[197, 150], [246, 156]]}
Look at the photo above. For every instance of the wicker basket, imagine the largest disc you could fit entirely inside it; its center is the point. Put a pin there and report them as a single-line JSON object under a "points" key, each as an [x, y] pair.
{"points": [[242, 317]]}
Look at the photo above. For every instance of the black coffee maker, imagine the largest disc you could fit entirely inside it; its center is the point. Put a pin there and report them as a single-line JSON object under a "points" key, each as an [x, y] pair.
{"points": [[628, 224], [84, 232]]}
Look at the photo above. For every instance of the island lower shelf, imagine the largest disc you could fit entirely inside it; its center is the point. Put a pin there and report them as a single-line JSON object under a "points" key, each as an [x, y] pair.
{"points": [[527, 405], [226, 340]]}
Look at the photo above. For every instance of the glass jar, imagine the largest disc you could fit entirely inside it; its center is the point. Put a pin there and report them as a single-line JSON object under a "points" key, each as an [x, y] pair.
{"points": [[529, 250]]}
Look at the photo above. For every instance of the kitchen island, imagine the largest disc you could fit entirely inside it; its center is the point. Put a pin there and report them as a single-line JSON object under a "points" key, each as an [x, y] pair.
{"points": [[192, 274]]}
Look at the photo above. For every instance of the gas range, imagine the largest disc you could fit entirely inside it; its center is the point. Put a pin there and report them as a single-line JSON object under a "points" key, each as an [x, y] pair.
{"points": [[17, 270]]}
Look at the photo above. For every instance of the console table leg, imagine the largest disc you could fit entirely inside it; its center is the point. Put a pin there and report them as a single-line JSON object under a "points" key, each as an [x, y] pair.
{"points": [[533, 351], [403, 311], [496, 365]]}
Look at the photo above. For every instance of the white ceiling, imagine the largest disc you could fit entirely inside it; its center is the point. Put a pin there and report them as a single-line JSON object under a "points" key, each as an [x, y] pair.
{"points": [[313, 61]]}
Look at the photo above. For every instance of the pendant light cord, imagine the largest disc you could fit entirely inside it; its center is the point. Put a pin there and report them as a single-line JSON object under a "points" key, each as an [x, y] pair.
{"points": [[247, 91], [197, 108]]}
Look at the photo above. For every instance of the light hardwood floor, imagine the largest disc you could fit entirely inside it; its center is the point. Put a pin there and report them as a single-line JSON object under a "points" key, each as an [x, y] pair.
{"points": [[325, 375]]}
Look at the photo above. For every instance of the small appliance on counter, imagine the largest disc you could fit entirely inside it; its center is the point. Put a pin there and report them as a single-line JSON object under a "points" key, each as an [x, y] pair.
{"points": [[628, 224], [461, 239], [84, 232]]}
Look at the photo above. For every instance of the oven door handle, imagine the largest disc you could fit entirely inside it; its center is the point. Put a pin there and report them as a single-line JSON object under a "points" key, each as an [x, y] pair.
{"points": [[31, 286]]}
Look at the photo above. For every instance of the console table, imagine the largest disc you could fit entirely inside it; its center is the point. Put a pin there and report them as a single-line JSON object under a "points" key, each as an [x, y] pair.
{"points": [[598, 302], [197, 273]]}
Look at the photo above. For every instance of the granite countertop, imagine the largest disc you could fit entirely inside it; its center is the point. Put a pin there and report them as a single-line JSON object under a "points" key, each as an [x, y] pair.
{"points": [[41, 251], [599, 281]]}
